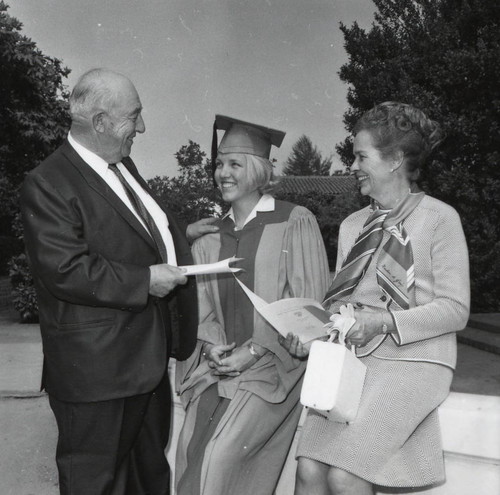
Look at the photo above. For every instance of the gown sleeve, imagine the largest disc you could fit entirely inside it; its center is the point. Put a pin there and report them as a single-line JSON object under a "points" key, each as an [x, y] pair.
{"points": [[306, 261]]}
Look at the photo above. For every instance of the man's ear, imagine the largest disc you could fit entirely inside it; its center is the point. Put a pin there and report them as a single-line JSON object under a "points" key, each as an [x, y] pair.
{"points": [[98, 122]]}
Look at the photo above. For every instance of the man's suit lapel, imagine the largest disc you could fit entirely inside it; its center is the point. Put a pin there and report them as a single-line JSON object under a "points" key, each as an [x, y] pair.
{"points": [[99, 185], [184, 329], [182, 249]]}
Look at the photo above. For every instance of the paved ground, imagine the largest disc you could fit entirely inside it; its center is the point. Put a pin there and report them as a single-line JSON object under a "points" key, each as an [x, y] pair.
{"points": [[27, 428]]}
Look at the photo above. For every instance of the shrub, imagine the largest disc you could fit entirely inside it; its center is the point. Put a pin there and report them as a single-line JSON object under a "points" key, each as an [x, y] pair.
{"points": [[23, 290], [9, 247]]}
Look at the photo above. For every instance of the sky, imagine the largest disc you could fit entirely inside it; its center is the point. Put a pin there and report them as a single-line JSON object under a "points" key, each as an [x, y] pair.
{"points": [[270, 62]]}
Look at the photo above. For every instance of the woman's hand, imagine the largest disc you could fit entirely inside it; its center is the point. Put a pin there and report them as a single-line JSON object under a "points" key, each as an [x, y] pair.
{"points": [[238, 361], [368, 325], [293, 345]]}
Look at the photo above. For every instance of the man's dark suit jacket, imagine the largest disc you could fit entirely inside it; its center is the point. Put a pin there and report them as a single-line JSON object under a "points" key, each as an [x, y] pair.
{"points": [[103, 336]]}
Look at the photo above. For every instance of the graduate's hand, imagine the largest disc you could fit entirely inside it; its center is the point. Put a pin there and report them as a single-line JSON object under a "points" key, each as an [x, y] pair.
{"points": [[214, 353], [238, 361], [293, 345]]}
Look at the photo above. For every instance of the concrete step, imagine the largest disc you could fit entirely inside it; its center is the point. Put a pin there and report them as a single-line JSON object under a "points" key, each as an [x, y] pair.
{"points": [[482, 332], [489, 322], [481, 339]]}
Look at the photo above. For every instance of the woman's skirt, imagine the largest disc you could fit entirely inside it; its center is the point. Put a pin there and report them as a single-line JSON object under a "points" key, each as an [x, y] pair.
{"points": [[395, 440]]}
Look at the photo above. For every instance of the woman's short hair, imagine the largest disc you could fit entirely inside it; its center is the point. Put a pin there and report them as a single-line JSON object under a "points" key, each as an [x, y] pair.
{"points": [[260, 173], [395, 127]]}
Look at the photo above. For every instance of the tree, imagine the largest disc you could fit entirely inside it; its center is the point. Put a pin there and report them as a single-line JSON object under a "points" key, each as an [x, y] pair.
{"points": [[330, 210], [33, 109], [191, 195], [34, 120], [305, 159], [34, 115], [441, 56]]}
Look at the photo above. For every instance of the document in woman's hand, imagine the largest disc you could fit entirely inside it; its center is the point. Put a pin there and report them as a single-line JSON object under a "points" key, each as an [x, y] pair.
{"points": [[300, 316], [303, 317]]}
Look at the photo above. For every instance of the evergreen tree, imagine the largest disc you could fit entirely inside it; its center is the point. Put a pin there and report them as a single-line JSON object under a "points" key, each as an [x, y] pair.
{"points": [[33, 111], [191, 194], [305, 159], [34, 120], [441, 56], [34, 115]]}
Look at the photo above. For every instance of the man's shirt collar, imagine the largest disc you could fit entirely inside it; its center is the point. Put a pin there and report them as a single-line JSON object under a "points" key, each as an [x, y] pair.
{"points": [[94, 161]]}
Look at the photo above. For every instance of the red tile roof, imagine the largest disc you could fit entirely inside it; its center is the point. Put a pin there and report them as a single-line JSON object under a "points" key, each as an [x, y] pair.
{"points": [[331, 184]]}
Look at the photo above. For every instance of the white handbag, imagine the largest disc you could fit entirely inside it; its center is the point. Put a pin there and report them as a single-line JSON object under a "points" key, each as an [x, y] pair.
{"points": [[333, 382]]}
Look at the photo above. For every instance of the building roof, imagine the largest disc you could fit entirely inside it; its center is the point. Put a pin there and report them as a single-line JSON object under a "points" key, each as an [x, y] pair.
{"points": [[328, 184]]}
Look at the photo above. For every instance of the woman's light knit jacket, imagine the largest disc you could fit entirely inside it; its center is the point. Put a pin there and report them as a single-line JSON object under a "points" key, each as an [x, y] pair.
{"points": [[427, 331]]}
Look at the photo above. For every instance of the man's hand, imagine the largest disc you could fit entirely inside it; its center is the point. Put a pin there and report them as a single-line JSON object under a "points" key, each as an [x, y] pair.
{"points": [[164, 278], [201, 227]]}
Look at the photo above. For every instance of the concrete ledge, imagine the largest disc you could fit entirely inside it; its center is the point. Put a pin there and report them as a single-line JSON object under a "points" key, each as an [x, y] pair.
{"points": [[471, 439], [21, 365], [470, 426]]}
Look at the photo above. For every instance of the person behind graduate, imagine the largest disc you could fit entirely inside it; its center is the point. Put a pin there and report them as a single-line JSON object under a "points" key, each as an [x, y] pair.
{"points": [[241, 388], [403, 264]]}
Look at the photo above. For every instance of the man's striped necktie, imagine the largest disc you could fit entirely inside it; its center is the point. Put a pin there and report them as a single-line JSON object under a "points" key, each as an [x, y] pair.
{"points": [[143, 212]]}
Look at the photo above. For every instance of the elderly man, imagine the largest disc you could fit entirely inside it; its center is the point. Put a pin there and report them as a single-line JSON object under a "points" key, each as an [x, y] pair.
{"points": [[105, 257]]}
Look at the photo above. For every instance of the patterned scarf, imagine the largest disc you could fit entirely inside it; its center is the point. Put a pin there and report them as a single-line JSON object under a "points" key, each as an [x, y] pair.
{"points": [[395, 268]]}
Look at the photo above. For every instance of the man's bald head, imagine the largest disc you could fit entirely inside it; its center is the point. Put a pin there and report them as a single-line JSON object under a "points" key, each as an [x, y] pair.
{"points": [[106, 113], [96, 91]]}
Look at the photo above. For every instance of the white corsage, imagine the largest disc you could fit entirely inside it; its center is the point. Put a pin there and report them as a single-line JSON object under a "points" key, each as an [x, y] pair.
{"points": [[341, 323]]}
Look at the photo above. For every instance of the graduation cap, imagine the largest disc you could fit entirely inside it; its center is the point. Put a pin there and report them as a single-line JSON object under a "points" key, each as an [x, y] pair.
{"points": [[244, 137]]}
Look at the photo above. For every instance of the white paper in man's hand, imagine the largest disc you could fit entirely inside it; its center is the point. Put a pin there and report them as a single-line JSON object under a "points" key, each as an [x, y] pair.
{"points": [[223, 266]]}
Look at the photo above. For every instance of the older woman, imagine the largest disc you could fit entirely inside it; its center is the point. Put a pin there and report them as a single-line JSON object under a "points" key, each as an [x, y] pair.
{"points": [[241, 387], [403, 263]]}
